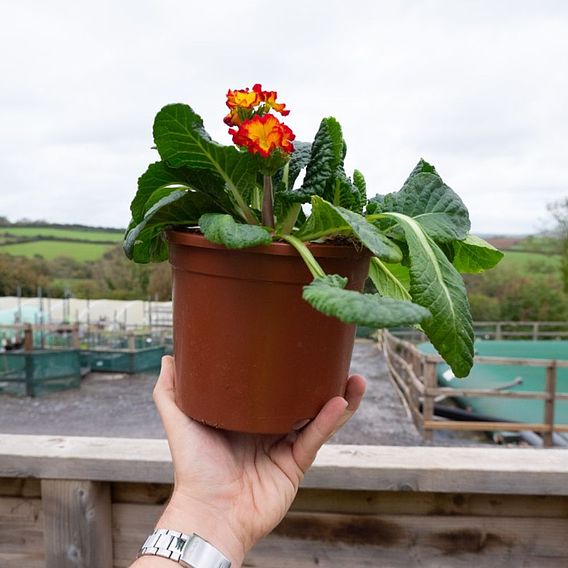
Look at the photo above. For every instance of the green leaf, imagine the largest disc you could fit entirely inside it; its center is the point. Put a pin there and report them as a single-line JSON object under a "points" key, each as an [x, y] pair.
{"points": [[380, 245], [474, 255], [345, 194], [324, 221], [286, 207], [361, 185], [422, 167], [298, 161], [328, 297], [223, 230], [327, 153], [145, 241], [426, 198], [182, 141], [436, 285], [386, 282], [327, 219], [159, 175], [156, 176]]}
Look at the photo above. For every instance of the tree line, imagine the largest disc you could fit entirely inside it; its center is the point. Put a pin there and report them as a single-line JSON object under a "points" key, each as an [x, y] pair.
{"points": [[112, 277]]}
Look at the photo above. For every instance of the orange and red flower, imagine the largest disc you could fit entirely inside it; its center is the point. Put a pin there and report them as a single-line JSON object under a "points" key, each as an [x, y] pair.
{"points": [[263, 134], [243, 98], [244, 104], [257, 130], [269, 99]]}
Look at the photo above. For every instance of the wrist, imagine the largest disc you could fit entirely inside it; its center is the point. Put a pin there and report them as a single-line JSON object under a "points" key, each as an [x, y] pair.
{"points": [[188, 515]]}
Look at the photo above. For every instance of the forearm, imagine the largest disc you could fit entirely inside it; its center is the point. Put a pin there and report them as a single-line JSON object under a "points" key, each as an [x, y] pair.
{"points": [[189, 518]]}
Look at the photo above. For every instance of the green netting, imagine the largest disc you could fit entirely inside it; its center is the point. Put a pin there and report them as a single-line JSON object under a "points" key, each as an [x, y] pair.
{"points": [[498, 376], [103, 340], [123, 360], [39, 372]]}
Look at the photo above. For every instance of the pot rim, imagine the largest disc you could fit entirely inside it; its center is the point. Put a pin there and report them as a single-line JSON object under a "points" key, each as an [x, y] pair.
{"points": [[325, 250]]}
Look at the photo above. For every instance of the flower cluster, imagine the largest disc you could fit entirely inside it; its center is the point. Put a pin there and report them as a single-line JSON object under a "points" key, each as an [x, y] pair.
{"points": [[254, 127]]}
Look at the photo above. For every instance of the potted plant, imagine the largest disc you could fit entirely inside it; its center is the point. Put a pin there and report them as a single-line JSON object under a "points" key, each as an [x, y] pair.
{"points": [[266, 292]]}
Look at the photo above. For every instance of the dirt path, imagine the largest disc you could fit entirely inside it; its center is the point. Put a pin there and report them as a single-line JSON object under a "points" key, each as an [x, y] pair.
{"points": [[121, 406]]}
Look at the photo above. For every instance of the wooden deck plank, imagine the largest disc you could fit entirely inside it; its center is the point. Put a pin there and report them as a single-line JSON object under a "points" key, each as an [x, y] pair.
{"points": [[329, 540], [21, 533], [77, 524], [430, 469]]}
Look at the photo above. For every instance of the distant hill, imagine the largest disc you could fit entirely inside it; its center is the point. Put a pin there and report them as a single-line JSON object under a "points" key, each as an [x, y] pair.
{"points": [[52, 240]]}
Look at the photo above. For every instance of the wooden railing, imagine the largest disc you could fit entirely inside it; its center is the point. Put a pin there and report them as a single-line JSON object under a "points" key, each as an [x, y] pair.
{"points": [[535, 330], [90, 503], [415, 375]]}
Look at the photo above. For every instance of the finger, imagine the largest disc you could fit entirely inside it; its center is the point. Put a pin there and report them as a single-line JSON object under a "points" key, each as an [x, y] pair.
{"points": [[327, 423], [354, 393], [356, 386], [164, 395], [318, 431]]}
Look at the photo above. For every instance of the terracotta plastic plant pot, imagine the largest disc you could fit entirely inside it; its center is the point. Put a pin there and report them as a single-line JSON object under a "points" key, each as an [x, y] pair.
{"points": [[251, 355]]}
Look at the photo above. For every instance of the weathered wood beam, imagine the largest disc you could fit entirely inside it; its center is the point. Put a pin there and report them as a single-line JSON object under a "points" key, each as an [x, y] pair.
{"points": [[378, 468]]}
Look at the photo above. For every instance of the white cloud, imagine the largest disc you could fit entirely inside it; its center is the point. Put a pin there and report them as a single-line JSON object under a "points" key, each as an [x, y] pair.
{"points": [[478, 88]]}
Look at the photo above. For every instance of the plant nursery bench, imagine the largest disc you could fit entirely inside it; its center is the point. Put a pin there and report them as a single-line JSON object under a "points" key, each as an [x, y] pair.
{"points": [[69, 502]]}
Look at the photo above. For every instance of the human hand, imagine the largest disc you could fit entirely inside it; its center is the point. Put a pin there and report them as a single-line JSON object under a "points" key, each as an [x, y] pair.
{"points": [[233, 488]]}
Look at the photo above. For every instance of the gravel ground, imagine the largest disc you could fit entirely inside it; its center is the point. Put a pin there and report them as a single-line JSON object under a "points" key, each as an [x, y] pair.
{"points": [[118, 405]]}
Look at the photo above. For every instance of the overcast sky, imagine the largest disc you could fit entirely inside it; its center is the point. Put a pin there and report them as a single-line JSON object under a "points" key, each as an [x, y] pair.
{"points": [[479, 88]]}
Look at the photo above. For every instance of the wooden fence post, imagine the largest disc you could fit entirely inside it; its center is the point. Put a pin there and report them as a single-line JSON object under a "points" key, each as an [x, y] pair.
{"points": [[549, 404], [131, 341], [28, 338], [75, 339], [430, 382], [498, 331], [77, 524]]}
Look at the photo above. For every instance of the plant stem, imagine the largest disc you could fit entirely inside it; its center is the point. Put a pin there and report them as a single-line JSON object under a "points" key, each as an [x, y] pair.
{"points": [[307, 256], [267, 203]]}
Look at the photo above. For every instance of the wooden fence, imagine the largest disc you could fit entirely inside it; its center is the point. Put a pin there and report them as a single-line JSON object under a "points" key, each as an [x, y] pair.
{"points": [[415, 375], [90, 503], [535, 330]]}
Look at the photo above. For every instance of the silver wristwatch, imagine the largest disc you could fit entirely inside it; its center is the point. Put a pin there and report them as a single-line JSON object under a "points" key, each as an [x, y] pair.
{"points": [[190, 551]]}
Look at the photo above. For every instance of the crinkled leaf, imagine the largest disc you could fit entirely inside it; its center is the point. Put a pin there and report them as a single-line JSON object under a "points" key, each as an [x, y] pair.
{"points": [[473, 255], [386, 282], [182, 141], [145, 241], [159, 174], [436, 285], [285, 202], [327, 219], [346, 194], [298, 161], [324, 221], [223, 230], [328, 297], [327, 153], [156, 176], [380, 245], [361, 185], [425, 197], [422, 167]]}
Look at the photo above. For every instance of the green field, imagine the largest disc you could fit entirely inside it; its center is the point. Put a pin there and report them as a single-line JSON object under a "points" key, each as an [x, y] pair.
{"points": [[109, 236], [531, 261], [52, 249]]}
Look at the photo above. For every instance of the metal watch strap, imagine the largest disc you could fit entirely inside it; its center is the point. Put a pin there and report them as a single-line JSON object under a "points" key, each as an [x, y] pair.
{"points": [[190, 551]]}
